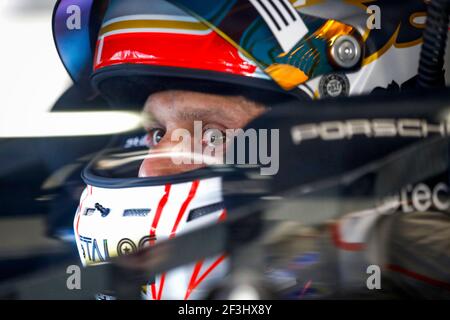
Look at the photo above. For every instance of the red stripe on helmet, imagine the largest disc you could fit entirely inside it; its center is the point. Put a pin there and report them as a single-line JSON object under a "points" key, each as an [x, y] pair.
{"points": [[223, 215], [161, 205], [197, 268], [184, 207], [205, 52], [185, 204], [80, 208], [161, 286], [194, 282], [158, 213]]}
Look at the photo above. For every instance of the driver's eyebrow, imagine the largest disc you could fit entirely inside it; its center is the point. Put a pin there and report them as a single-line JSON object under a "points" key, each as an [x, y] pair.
{"points": [[149, 120], [222, 116], [198, 114]]}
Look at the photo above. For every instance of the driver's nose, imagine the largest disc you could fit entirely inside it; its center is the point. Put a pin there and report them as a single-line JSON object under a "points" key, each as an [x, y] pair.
{"points": [[164, 159]]}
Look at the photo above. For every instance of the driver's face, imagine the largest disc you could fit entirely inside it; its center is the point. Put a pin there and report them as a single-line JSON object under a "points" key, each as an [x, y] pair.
{"points": [[167, 111]]}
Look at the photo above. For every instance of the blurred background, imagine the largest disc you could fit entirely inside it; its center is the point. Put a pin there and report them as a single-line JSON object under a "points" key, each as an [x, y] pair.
{"points": [[32, 79], [37, 141]]}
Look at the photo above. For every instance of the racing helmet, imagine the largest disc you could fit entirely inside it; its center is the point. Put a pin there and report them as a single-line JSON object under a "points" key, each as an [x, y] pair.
{"points": [[268, 51]]}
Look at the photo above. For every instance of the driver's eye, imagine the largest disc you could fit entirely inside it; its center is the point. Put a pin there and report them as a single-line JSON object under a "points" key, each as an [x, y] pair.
{"points": [[213, 137], [155, 136]]}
